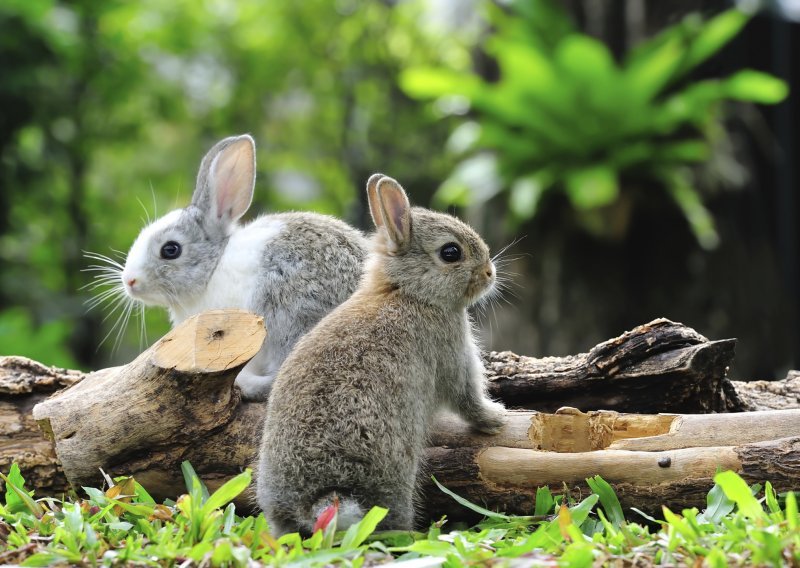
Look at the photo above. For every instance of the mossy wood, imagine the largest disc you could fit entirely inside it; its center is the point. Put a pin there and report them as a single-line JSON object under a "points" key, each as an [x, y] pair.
{"points": [[177, 401]]}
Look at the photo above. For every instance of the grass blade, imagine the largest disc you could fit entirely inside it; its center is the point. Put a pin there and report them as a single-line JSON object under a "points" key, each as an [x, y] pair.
{"points": [[471, 505]]}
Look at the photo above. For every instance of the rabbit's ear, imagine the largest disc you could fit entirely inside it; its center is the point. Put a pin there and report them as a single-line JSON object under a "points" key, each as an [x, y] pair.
{"points": [[395, 213], [226, 179], [372, 196]]}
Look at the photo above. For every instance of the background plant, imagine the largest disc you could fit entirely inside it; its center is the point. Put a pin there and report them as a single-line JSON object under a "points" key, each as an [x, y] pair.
{"points": [[107, 108], [564, 115]]}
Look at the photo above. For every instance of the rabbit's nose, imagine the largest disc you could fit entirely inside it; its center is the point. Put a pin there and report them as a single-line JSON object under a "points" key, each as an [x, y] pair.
{"points": [[131, 282]]}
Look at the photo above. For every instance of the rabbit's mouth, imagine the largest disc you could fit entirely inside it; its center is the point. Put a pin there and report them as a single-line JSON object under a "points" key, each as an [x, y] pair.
{"points": [[138, 292], [480, 286]]}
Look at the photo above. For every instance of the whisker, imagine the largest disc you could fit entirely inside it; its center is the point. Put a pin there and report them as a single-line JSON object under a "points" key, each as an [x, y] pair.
{"points": [[145, 220], [103, 258], [508, 246], [142, 328], [155, 203], [102, 297], [121, 254]]}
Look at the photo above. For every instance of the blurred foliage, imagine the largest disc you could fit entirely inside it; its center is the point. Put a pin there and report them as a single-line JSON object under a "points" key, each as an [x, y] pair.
{"points": [[564, 115], [109, 106]]}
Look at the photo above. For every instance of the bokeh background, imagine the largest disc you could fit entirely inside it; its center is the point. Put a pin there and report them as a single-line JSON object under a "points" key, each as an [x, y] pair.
{"points": [[638, 157]]}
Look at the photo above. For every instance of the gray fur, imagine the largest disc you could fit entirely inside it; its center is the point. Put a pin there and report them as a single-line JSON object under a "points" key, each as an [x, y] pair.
{"points": [[350, 409], [305, 263]]}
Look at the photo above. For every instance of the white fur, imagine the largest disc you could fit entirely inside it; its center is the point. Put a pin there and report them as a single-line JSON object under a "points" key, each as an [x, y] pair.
{"points": [[234, 281], [137, 259]]}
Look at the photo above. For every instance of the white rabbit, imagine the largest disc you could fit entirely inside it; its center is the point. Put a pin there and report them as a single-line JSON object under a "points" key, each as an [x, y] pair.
{"points": [[291, 268]]}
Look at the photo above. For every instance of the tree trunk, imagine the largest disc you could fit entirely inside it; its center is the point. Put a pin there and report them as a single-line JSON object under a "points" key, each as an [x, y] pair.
{"points": [[176, 402]]}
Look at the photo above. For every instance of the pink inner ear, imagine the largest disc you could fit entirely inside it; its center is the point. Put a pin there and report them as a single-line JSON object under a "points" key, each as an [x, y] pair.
{"points": [[400, 217], [233, 180], [395, 209]]}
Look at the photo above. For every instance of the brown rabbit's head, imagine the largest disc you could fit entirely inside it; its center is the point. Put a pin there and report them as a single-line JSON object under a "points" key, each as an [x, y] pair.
{"points": [[432, 256]]}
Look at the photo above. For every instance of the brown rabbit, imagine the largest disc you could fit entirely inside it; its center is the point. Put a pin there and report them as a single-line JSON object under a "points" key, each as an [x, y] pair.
{"points": [[350, 410]]}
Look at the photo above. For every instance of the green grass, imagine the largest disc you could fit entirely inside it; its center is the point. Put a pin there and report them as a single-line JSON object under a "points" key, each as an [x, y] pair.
{"points": [[741, 526]]}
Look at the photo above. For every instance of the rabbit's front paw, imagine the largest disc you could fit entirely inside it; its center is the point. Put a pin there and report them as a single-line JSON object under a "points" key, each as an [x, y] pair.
{"points": [[254, 387], [491, 418]]}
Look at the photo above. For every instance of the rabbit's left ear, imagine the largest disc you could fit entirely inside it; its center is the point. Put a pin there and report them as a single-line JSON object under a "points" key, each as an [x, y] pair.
{"points": [[372, 197], [226, 180], [232, 177], [395, 213]]}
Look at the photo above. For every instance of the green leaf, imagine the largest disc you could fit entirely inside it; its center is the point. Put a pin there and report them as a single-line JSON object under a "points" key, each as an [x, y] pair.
{"points": [[141, 510], [523, 67], [544, 501], [427, 547], [687, 198], [223, 552], [647, 75], [584, 57], [14, 502], [771, 500], [608, 500], [430, 82], [17, 498], [578, 554], [755, 86], [194, 485], [683, 151], [358, 533], [592, 187], [713, 35], [228, 492], [716, 559], [717, 505], [142, 496], [537, 539], [581, 511], [44, 559], [739, 492], [679, 525], [792, 516], [470, 505]]}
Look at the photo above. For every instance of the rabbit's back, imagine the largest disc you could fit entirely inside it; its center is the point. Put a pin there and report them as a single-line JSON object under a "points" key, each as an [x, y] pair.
{"points": [[292, 268], [350, 407], [313, 265]]}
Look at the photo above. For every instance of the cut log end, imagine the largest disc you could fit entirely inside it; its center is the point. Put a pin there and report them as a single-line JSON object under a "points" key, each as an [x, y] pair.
{"points": [[210, 342]]}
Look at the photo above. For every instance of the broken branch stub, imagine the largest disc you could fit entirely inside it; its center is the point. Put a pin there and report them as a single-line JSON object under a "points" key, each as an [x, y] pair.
{"points": [[661, 366], [170, 398]]}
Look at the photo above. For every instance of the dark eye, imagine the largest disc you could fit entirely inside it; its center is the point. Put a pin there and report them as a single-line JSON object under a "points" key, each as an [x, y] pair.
{"points": [[171, 250], [450, 252]]}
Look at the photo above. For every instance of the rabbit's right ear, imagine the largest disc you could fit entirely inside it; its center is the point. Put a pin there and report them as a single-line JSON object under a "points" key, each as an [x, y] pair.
{"points": [[395, 213], [372, 196], [226, 179]]}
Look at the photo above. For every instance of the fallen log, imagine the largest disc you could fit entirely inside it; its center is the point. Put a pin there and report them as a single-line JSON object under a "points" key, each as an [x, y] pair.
{"points": [[176, 401]]}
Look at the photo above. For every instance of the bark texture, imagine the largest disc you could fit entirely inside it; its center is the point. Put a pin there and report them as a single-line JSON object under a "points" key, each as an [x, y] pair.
{"points": [[661, 366]]}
